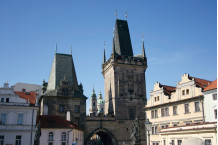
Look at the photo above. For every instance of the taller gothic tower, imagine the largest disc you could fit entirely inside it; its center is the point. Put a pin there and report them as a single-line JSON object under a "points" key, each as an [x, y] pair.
{"points": [[124, 77]]}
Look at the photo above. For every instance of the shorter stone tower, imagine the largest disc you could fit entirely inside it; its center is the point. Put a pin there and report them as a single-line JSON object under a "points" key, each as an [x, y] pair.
{"points": [[93, 104], [100, 104], [62, 94]]}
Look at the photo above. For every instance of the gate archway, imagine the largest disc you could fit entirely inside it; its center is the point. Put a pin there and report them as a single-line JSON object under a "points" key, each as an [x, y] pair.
{"points": [[104, 135]]}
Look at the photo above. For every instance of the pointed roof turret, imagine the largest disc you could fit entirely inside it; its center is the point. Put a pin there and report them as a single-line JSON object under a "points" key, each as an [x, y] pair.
{"points": [[63, 66], [143, 47], [104, 56], [122, 42]]}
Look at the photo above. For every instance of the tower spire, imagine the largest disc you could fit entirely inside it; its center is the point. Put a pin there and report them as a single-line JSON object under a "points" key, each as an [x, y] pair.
{"points": [[104, 56], [143, 47], [116, 13]]}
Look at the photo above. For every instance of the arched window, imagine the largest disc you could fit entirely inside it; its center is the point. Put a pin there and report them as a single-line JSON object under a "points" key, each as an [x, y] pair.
{"points": [[50, 136], [63, 136]]}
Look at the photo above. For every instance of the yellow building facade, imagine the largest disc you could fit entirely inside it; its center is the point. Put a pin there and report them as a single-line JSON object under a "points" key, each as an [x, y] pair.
{"points": [[175, 107]]}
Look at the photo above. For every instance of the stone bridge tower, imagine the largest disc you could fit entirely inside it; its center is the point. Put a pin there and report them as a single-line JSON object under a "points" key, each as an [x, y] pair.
{"points": [[125, 92], [124, 77]]}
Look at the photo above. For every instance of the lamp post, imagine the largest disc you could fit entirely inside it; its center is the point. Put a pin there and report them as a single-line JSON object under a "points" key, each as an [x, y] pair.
{"points": [[148, 129]]}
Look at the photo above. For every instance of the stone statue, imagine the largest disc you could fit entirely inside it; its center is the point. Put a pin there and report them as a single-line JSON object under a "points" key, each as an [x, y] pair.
{"points": [[135, 132], [38, 134]]}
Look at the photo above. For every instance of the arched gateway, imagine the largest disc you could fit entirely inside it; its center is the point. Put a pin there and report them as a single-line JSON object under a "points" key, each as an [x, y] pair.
{"points": [[105, 135]]}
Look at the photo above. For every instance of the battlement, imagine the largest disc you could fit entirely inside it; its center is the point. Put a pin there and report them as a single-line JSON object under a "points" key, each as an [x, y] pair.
{"points": [[126, 60]]}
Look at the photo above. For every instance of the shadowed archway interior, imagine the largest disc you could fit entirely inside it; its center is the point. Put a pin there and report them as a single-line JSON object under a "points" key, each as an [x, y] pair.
{"points": [[101, 136]]}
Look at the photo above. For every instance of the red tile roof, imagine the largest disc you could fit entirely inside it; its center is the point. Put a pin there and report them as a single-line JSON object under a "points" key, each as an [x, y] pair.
{"points": [[49, 121], [168, 89], [27, 95], [200, 82], [212, 86]]}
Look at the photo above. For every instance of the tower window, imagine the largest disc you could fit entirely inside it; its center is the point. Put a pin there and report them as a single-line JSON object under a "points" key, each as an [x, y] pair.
{"points": [[61, 108], [93, 103], [183, 92], [132, 113], [77, 110]]}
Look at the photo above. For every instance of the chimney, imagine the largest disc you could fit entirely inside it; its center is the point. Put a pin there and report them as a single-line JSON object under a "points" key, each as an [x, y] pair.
{"points": [[68, 115]]}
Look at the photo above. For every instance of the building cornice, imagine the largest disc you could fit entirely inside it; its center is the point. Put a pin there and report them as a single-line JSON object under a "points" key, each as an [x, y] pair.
{"points": [[174, 102]]}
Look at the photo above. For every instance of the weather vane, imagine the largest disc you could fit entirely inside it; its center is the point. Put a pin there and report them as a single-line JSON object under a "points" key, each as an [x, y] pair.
{"points": [[126, 15], [116, 13]]}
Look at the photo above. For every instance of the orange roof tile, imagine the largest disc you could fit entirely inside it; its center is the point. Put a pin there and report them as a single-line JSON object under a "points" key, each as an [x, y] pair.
{"points": [[200, 82], [27, 95], [212, 86], [168, 89], [54, 121]]}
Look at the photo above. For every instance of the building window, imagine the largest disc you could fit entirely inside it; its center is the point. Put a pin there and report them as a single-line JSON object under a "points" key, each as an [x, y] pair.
{"points": [[50, 136], [197, 107], [2, 99], [61, 108], [18, 140], [173, 143], [155, 113], [215, 113], [167, 111], [7, 100], [50, 143], [152, 114], [63, 143], [157, 98], [155, 143], [154, 130], [3, 119], [207, 142], [187, 91], [164, 142], [132, 113], [1, 140], [23, 90], [162, 112], [174, 110], [19, 119], [77, 109], [214, 96], [179, 142], [186, 108], [63, 136], [183, 92]]}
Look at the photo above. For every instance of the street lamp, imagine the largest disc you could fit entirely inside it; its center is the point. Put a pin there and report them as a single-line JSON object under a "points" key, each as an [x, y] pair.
{"points": [[148, 129]]}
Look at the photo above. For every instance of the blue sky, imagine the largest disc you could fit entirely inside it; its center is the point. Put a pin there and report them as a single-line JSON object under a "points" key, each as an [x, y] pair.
{"points": [[180, 37]]}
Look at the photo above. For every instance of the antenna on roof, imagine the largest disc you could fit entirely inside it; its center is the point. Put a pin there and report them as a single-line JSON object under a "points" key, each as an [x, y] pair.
{"points": [[126, 15], [116, 13]]}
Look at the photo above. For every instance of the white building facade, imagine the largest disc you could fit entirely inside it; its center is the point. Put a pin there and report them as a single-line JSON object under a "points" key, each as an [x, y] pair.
{"points": [[210, 102], [17, 119], [58, 131]]}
